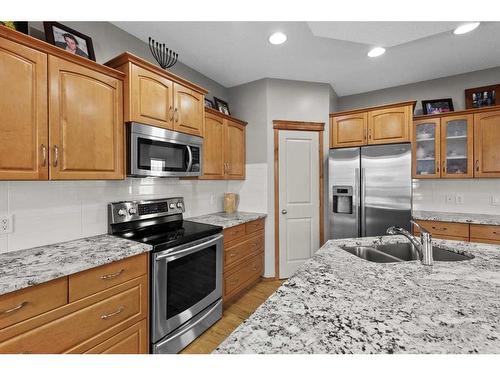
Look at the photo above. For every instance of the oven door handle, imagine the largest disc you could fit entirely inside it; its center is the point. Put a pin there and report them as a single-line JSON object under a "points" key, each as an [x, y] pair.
{"points": [[190, 162], [181, 249]]}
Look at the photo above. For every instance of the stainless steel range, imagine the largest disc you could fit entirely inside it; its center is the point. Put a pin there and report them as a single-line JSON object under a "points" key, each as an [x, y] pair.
{"points": [[186, 268]]}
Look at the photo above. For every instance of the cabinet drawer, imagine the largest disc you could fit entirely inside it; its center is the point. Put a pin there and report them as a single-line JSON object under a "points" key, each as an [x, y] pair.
{"points": [[133, 340], [487, 232], [234, 254], [254, 226], [71, 330], [234, 233], [484, 240], [244, 274], [445, 228], [26, 303], [86, 283]]}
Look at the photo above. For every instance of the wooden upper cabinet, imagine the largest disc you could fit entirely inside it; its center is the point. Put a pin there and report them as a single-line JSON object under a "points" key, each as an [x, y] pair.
{"points": [[86, 122], [234, 141], [390, 125], [487, 144], [457, 146], [23, 108], [426, 148], [151, 98], [348, 130], [154, 96], [188, 110], [213, 147]]}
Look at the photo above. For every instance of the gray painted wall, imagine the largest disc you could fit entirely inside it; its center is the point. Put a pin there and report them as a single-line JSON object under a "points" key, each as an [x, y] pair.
{"points": [[110, 41], [249, 103], [447, 87]]}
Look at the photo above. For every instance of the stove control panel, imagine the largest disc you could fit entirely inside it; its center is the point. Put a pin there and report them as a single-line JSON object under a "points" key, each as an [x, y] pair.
{"points": [[120, 212]]}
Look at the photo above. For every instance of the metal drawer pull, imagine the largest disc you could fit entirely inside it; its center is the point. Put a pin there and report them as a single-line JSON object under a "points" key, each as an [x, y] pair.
{"points": [[254, 268], [439, 228], [112, 275], [232, 255], [110, 315], [495, 232], [18, 307]]}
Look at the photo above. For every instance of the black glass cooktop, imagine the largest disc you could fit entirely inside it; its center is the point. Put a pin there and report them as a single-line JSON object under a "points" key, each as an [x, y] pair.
{"points": [[167, 235]]}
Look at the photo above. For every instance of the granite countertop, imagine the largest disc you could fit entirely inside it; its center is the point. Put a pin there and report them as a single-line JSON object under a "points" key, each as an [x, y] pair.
{"points": [[23, 268], [457, 217], [228, 220], [339, 303]]}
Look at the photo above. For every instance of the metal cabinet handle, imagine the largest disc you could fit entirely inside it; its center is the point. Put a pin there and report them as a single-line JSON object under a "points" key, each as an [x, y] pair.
{"points": [[112, 275], [254, 268], [176, 115], [110, 315], [477, 165], [439, 228], [370, 133], [171, 113], [44, 155], [56, 155], [18, 307], [284, 212], [228, 166], [232, 255], [444, 166], [495, 232]]}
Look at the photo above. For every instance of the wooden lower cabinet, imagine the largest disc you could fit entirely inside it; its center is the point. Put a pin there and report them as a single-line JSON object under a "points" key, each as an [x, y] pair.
{"points": [[461, 231], [243, 257], [111, 319]]}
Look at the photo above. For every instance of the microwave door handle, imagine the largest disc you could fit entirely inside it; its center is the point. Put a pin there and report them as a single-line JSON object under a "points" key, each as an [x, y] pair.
{"points": [[190, 162]]}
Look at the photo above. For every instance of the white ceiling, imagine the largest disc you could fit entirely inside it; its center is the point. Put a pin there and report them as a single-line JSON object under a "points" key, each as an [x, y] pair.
{"points": [[233, 53]]}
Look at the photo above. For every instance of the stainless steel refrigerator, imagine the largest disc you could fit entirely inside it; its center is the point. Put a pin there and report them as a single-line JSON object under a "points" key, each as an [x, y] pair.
{"points": [[369, 190]]}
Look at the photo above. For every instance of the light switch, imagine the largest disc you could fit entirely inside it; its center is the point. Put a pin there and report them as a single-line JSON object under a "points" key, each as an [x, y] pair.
{"points": [[459, 199], [450, 199], [495, 200]]}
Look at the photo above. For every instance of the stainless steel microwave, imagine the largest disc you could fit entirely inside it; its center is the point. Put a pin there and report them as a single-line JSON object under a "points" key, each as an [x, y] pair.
{"points": [[157, 152]]}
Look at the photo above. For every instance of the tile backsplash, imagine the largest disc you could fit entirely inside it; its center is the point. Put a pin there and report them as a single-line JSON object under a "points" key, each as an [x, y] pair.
{"points": [[46, 212], [460, 195]]}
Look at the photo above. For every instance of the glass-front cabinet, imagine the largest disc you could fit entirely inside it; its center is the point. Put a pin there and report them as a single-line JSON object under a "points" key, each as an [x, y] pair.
{"points": [[426, 149], [443, 147], [457, 146]]}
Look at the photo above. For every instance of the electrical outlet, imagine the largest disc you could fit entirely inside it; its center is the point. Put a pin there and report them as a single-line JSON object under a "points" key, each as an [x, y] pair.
{"points": [[5, 224], [495, 200], [459, 199], [450, 199]]}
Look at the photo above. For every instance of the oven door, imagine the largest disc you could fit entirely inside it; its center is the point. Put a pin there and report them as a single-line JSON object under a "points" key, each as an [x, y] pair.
{"points": [[185, 280], [162, 153]]}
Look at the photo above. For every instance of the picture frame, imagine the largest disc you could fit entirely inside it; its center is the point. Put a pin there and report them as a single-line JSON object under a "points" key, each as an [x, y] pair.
{"points": [[209, 103], [484, 96], [69, 39], [435, 106], [222, 106]]}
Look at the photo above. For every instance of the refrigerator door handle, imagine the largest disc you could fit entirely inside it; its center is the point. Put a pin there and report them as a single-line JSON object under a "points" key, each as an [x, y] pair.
{"points": [[357, 200], [363, 203]]}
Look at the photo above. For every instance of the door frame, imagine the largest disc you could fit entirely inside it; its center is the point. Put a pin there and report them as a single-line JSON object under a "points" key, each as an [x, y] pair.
{"points": [[278, 125]]}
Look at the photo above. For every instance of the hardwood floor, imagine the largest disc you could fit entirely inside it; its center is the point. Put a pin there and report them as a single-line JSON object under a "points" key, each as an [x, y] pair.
{"points": [[234, 314]]}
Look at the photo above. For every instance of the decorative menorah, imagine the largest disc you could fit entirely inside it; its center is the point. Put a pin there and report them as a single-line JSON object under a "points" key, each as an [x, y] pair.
{"points": [[165, 57]]}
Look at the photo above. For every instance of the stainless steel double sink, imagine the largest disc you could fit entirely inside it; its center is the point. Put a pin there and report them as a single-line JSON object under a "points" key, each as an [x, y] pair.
{"points": [[401, 252]]}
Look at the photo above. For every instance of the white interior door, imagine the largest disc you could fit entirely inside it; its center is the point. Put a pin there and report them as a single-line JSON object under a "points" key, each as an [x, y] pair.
{"points": [[298, 199]]}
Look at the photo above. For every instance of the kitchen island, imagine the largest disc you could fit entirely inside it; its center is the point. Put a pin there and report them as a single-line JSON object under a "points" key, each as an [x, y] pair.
{"points": [[339, 303]]}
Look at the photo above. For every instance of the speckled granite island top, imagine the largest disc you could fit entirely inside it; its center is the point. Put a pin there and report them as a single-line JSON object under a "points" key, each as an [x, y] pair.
{"points": [[457, 217], [228, 220], [339, 303], [23, 268]]}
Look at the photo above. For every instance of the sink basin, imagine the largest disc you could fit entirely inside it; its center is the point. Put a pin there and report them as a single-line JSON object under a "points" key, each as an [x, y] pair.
{"points": [[401, 252]]}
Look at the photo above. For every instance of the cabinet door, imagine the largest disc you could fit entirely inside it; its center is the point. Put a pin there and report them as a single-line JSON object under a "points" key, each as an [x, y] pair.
{"points": [[151, 98], [456, 146], [23, 109], [389, 125], [487, 144], [426, 148], [86, 123], [213, 148], [133, 340], [348, 131], [234, 146], [188, 110]]}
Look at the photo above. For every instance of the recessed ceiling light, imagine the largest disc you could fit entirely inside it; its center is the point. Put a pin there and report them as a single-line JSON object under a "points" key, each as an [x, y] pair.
{"points": [[277, 38], [466, 28], [377, 51]]}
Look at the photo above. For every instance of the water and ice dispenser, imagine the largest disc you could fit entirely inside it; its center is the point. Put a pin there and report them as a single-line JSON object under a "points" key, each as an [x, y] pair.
{"points": [[342, 199]]}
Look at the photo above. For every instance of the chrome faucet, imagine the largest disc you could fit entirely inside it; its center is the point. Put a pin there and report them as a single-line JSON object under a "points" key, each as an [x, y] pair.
{"points": [[424, 246]]}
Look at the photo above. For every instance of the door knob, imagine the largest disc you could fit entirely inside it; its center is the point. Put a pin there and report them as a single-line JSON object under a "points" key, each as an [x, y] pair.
{"points": [[284, 212]]}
